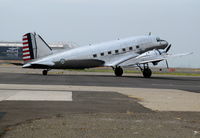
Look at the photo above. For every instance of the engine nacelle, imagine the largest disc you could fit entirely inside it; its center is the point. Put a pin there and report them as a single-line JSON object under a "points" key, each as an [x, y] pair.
{"points": [[155, 63], [151, 53]]}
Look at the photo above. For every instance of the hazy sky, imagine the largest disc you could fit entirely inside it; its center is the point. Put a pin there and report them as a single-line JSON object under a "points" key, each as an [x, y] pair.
{"points": [[94, 21]]}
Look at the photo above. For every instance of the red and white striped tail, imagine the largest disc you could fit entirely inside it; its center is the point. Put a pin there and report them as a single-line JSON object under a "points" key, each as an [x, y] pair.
{"points": [[27, 50], [34, 47]]}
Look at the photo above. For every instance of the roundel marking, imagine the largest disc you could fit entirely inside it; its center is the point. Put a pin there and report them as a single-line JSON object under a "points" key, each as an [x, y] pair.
{"points": [[62, 61]]}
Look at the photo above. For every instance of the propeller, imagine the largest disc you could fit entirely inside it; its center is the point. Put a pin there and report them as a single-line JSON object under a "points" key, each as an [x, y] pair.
{"points": [[168, 48], [159, 51]]}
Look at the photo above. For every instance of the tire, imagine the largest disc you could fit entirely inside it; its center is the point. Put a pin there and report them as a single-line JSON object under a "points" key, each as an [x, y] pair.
{"points": [[44, 72], [147, 73], [118, 71]]}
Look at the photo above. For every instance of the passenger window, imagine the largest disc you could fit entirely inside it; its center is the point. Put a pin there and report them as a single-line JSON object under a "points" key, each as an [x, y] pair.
{"points": [[95, 55], [130, 48], [102, 54], [109, 52], [124, 49], [137, 46], [116, 51]]}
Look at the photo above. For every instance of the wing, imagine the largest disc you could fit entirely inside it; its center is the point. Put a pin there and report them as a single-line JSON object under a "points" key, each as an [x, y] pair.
{"points": [[115, 61], [149, 59]]}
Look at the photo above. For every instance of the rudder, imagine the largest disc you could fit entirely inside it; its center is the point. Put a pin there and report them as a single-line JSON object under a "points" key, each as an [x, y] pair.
{"points": [[27, 49]]}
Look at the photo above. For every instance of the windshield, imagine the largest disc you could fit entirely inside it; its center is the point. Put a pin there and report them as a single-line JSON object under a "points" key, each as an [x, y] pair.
{"points": [[158, 39]]}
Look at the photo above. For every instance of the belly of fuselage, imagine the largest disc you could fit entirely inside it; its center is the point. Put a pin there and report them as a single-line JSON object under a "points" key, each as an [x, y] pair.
{"points": [[78, 64]]}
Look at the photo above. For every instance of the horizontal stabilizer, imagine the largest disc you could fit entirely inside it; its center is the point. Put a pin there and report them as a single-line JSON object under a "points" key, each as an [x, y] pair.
{"points": [[38, 65]]}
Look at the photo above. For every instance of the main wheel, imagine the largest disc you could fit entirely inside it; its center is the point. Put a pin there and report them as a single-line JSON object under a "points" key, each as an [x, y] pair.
{"points": [[44, 72], [118, 71], [147, 73]]}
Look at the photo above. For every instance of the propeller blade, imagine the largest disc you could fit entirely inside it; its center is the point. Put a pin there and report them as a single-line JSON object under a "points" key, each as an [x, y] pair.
{"points": [[168, 48], [159, 51], [167, 64]]}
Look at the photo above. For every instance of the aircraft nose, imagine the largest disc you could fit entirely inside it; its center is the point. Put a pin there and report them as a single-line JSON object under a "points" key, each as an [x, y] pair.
{"points": [[164, 43]]}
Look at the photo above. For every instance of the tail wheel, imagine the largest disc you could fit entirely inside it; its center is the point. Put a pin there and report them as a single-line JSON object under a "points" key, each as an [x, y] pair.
{"points": [[147, 72], [44, 72], [118, 71]]}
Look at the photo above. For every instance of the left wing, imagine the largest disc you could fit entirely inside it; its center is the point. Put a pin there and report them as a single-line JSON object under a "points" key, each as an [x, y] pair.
{"points": [[160, 58], [150, 57]]}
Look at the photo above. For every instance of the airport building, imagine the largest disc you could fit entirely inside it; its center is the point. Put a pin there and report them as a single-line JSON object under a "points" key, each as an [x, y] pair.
{"points": [[13, 50]]}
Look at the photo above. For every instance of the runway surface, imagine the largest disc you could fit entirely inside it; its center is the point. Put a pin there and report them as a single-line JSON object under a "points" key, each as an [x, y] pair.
{"points": [[191, 84], [77, 104]]}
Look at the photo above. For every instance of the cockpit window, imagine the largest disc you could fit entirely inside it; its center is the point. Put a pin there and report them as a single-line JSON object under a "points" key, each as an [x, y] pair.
{"points": [[159, 40]]}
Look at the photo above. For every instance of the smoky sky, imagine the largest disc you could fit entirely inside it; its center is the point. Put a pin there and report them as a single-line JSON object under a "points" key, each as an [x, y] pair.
{"points": [[93, 21]]}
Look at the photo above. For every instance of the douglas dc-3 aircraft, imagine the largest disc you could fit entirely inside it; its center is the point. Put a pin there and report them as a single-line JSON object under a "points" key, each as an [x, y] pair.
{"points": [[134, 51]]}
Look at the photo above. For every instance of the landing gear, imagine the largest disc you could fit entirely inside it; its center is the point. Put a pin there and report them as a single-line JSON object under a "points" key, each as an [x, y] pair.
{"points": [[146, 71], [118, 71], [45, 72]]}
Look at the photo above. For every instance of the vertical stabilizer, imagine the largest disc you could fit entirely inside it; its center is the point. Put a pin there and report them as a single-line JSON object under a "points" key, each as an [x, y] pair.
{"points": [[34, 47]]}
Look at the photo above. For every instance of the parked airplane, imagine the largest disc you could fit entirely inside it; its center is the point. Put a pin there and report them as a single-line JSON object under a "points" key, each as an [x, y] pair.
{"points": [[134, 51]]}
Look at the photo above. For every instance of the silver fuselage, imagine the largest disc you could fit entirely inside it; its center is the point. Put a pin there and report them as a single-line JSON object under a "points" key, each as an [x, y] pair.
{"points": [[98, 55]]}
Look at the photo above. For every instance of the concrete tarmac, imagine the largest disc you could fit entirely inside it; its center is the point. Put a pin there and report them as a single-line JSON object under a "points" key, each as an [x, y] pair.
{"points": [[100, 105]]}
